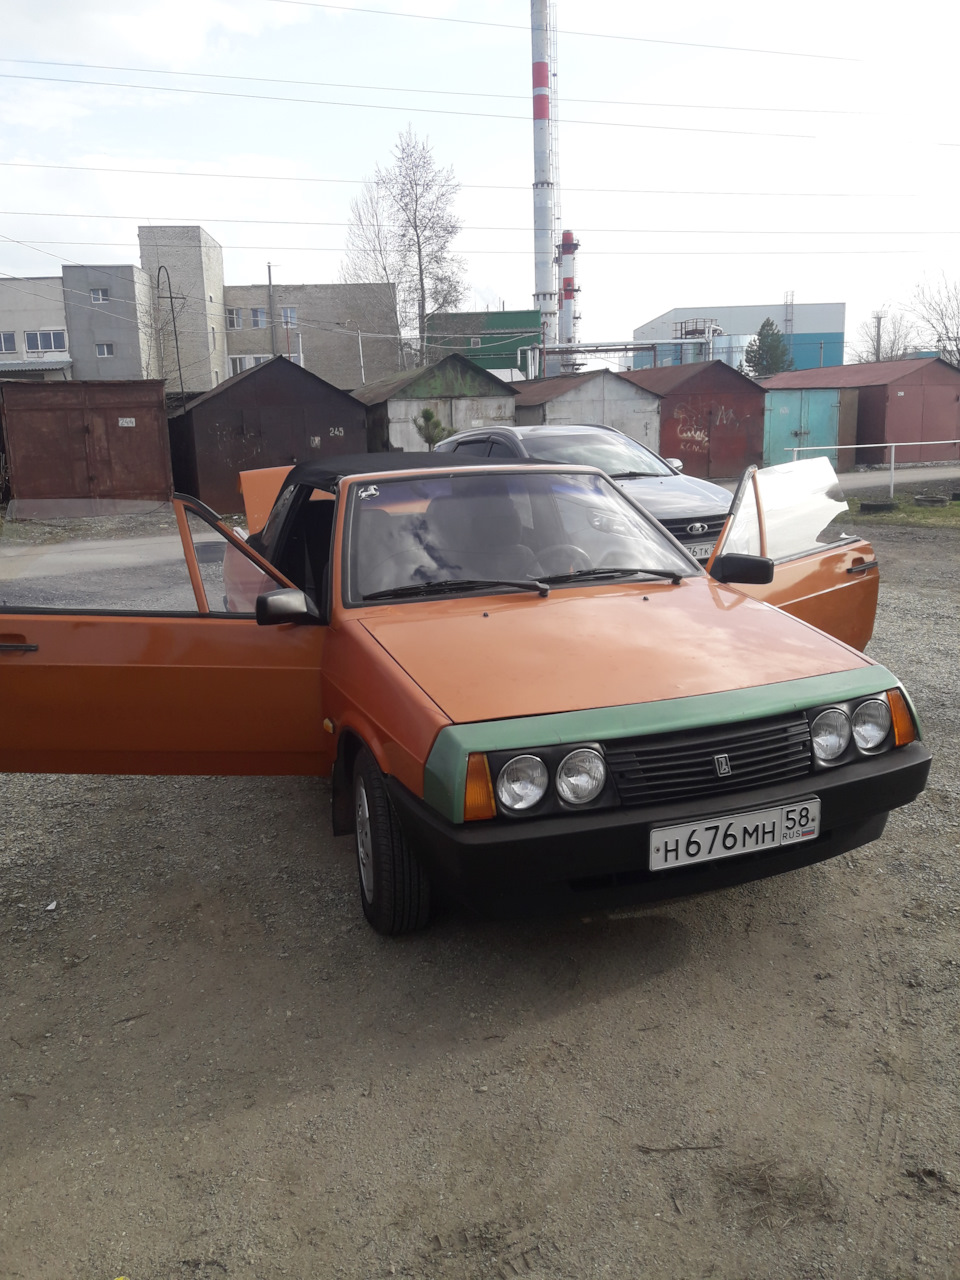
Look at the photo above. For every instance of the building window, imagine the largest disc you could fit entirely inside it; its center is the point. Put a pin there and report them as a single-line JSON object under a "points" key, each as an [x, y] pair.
{"points": [[236, 365], [104, 349], [474, 342], [258, 317], [46, 339], [259, 359], [213, 337], [216, 377], [8, 342], [99, 295], [234, 318], [288, 317]]}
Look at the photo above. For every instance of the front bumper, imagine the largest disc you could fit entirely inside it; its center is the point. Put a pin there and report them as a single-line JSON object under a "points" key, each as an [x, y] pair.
{"points": [[597, 860]]}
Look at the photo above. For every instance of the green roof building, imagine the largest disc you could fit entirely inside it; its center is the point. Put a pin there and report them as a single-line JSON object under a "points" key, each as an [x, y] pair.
{"points": [[490, 339]]}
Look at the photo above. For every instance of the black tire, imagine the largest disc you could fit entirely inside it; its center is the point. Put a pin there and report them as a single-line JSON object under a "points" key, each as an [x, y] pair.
{"points": [[394, 891]]}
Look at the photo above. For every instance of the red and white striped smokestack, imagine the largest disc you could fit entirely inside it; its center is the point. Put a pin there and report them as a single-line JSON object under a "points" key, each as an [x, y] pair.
{"points": [[569, 319], [545, 296]]}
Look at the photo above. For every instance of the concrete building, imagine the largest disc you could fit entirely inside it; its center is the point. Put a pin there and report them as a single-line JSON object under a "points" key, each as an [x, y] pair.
{"points": [[689, 335], [34, 346], [598, 396], [194, 261], [127, 321], [344, 333], [110, 319]]}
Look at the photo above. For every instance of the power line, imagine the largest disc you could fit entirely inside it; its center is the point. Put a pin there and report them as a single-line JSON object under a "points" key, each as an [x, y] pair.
{"points": [[641, 253], [466, 186], [154, 219], [459, 93], [191, 302], [382, 106], [591, 35]]}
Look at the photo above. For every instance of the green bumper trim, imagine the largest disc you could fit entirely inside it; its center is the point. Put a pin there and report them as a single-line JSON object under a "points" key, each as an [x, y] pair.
{"points": [[446, 768]]}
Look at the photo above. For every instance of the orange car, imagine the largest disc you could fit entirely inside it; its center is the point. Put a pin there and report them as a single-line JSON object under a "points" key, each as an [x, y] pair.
{"points": [[525, 690]]}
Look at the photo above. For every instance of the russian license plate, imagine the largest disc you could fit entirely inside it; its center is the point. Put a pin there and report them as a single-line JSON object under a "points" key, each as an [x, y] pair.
{"points": [[725, 837], [699, 550]]}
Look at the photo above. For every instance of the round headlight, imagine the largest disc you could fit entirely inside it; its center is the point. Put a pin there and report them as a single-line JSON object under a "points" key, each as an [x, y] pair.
{"points": [[522, 782], [581, 776], [871, 724], [831, 734]]}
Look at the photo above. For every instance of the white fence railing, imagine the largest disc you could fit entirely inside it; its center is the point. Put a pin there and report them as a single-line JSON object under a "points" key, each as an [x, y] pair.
{"points": [[906, 444]]}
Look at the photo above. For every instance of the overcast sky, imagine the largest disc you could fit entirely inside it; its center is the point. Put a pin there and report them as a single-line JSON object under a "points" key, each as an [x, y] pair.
{"points": [[694, 176]]}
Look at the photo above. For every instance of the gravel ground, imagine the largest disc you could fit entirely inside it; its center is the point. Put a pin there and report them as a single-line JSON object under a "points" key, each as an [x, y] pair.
{"points": [[210, 1066]]}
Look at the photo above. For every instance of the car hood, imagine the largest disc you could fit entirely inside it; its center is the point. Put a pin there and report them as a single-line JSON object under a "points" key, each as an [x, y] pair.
{"points": [[675, 497], [497, 657]]}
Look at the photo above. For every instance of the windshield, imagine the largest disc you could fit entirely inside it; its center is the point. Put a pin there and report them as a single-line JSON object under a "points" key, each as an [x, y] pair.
{"points": [[614, 454], [496, 531]]}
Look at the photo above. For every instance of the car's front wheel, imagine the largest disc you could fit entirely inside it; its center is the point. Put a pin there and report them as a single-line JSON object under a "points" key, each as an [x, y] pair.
{"points": [[394, 891]]}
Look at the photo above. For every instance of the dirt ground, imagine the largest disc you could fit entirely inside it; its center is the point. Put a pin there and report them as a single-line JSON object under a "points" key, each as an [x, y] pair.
{"points": [[210, 1065]]}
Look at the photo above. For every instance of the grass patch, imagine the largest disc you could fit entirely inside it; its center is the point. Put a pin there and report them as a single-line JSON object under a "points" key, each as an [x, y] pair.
{"points": [[764, 1193], [906, 514]]}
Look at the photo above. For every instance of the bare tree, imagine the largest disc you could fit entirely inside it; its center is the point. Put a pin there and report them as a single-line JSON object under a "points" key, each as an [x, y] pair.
{"points": [[937, 307], [401, 230], [888, 335]]}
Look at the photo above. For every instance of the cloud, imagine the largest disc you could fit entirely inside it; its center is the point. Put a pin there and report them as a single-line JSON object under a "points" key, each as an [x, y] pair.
{"points": [[182, 30]]}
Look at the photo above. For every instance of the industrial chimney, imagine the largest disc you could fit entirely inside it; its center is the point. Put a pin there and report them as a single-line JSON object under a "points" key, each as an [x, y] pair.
{"points": [[569, 319], [544, 236]]}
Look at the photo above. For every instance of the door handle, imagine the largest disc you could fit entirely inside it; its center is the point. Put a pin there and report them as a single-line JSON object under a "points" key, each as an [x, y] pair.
{"points": [[16, 644], [861, 568]]}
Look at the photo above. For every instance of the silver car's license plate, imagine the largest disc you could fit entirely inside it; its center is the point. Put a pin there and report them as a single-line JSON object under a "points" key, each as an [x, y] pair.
{"points": [[727, 836], [699, 550]]}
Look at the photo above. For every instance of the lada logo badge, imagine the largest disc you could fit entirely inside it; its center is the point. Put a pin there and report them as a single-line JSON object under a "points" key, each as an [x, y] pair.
{"points": [[722, 766], [697, 528]]}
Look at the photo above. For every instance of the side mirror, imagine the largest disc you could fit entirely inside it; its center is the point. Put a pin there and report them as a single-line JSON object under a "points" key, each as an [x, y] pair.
{"points": [[676, 463], [735, 567], [288, 604]]}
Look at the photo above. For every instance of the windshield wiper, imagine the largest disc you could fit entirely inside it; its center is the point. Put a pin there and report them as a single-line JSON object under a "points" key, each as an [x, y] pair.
{"points": [[444, 585], [612, 573], [633, 475]]}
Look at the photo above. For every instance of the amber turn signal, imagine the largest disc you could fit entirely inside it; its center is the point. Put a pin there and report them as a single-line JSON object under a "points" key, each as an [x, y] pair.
{"points": [[478, 801], [904, 730]]}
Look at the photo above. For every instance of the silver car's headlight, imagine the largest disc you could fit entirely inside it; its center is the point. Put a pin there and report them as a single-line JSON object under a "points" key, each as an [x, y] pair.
{"points": [[522, 782], [581, 776], [871, 724], [831, 734]]}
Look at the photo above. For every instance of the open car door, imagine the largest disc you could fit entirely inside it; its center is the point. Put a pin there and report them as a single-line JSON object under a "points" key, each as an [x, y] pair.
{"points": [[129, 644], [821, 575]]}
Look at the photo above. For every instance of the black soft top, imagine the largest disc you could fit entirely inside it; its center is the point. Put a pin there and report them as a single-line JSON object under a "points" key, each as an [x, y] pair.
{"points": [[326, 472]]}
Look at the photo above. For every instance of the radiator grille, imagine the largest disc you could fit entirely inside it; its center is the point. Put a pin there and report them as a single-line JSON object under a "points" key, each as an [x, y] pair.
{"points": [[679, 528], [676, 766]]}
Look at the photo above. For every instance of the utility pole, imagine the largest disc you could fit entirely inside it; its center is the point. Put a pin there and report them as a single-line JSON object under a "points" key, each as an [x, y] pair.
{"points": [[273, 323]]}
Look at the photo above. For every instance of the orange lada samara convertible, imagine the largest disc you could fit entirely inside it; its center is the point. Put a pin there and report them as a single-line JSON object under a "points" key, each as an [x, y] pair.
{"points": [[526, 693]]}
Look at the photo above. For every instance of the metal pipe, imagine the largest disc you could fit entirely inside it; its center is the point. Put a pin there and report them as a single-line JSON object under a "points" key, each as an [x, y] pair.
{"points": [[273, 323], [176, 340]]}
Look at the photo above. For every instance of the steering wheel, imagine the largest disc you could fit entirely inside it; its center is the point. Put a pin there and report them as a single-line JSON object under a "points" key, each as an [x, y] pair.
{"points": [[562, 557]]}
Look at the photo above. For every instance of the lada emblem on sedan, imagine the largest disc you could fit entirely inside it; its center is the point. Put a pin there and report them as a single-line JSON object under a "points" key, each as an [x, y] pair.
{"points": [[697, 528], [722, 766]]}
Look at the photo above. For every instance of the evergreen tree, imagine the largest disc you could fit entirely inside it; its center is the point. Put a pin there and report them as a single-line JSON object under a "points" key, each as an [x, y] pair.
{"points": [[768, 352], [431, 429]]}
